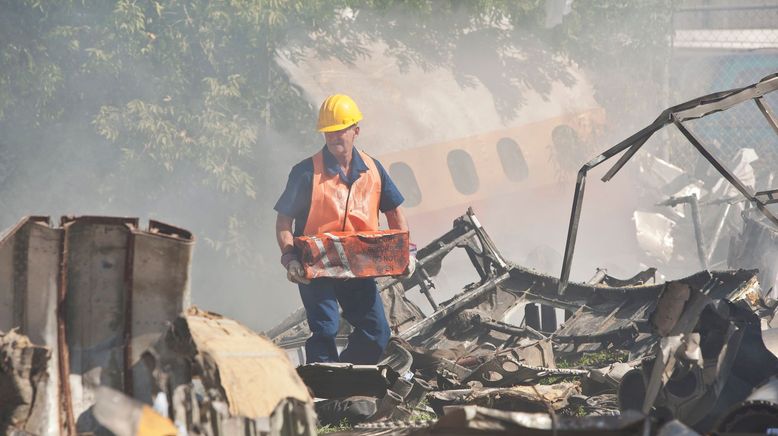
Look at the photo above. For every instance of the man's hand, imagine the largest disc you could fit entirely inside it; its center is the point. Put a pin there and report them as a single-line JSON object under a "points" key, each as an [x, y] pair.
{"points": [[411, 267], [295, 273]]}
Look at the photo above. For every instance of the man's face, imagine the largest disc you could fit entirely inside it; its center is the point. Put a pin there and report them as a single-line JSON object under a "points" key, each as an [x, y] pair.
{"points": [[341, 142]]}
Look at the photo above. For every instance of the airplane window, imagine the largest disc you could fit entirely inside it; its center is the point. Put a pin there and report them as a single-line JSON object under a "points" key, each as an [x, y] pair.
{"points": [[564, 137], [567, 150], [462, 170], [403, 176], [513, 163]]}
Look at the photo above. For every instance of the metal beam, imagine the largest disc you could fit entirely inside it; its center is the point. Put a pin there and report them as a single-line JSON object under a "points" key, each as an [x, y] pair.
{"points": [[572, 230], [453, 307], [691, 200], [767, 112], [635, 142], [722, 170], [695, 108], [771, 196], [724, 100]]}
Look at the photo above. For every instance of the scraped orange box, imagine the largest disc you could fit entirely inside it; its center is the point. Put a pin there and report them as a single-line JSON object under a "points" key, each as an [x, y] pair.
{"points": [[346, 255]]}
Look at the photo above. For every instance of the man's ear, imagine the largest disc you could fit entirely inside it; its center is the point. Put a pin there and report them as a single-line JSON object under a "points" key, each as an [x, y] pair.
{"points": [[356, 130]]}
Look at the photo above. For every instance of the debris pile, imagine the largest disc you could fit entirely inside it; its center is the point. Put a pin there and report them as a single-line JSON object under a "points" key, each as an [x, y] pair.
{"points": [[630, 355], [95, 337]]}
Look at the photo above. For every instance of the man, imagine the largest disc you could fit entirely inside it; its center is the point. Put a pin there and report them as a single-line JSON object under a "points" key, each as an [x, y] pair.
{"points": [[340, 188]]}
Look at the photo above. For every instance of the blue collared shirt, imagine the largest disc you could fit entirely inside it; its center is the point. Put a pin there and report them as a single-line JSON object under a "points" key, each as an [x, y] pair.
{"points": [[295, 201]]}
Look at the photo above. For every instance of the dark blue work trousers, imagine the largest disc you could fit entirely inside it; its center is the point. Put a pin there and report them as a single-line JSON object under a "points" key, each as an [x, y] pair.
{"points": [[362, 308]]}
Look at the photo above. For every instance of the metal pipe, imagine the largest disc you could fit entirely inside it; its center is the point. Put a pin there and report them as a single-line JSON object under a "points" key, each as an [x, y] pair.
{"points": [[698, 231], [717, 234], [691, 137], [767, 112], [460, 302], [426, 283], [572, 230], [691, 200]]}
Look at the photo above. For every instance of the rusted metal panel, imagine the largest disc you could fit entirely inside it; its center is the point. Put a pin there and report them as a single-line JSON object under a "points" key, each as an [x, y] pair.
{"points": [[13, 274], [29, 266], [159, 284], [95, 310], [43, 260], [96, 292]]}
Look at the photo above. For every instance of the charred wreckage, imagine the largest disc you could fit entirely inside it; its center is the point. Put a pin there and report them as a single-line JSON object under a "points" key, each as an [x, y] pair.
{"points": [[98, 337]]}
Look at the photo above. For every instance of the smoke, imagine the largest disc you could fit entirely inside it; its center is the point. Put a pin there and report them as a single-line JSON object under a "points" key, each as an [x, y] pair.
{"points": [[420, 77]]}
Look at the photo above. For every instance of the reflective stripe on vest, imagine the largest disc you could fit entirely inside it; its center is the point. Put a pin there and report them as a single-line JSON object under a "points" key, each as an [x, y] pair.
{"points": [[329, 210]]}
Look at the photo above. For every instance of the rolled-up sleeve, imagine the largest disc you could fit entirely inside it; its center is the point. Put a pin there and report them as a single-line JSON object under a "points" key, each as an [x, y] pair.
{"points": [[295, 199], [390, 195]]}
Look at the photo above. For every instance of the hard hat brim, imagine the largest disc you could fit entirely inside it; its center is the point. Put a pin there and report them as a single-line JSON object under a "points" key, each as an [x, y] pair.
{"points": [[336, 127]]}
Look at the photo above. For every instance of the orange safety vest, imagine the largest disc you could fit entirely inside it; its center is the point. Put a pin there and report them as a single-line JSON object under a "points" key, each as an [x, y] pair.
{"points": [[336, 206]]}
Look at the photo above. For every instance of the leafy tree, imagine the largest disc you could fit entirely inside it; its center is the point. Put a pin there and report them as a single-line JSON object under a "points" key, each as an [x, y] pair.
{"points": [[181, 109]]}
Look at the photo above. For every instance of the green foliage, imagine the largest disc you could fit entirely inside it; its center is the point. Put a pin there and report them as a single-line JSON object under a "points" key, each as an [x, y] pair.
{"points": [[145, 106], [343, 425], [597, 359], [421, 413]]}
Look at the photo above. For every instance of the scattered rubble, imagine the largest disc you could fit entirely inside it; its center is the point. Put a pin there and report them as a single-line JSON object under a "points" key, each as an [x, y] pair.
{"points": [[97, 340], [686, 349], [689, 352], [99, 337], [23, 378]]}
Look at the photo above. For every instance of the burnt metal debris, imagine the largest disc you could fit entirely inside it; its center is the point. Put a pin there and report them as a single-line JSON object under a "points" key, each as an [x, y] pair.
{"points": [[96, 335], [693, 109], [96, 292], [634, 356]]}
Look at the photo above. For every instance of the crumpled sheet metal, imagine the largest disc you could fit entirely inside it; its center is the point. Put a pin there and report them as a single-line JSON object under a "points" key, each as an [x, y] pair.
{"points": [[504, 370], [757, 246], [618, 316], [480, 420], [685, 333], [254, 373], [397, 357], [341, 380], [710, 347], [24, 380], [535, 398], [756, 414], [613, 373], [216, 373], [96, 291]]}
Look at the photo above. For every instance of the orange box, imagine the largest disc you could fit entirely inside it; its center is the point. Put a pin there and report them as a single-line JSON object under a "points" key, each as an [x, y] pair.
{"points": [[346, 255]]}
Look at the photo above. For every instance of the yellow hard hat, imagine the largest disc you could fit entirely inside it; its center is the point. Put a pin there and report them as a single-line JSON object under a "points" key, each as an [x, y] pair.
{"points": [[338, 112]]}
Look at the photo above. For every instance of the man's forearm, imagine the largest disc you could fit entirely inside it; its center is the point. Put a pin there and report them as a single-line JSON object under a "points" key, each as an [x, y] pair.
{"points": [[284, 234], [395, 218]]}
